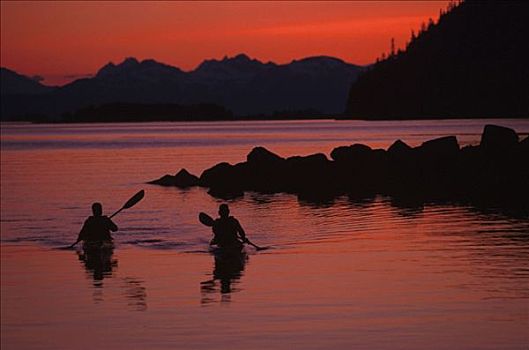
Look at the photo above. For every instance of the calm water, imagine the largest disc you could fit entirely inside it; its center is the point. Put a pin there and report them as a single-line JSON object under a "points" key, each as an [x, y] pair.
{"points": [[370, 274]]}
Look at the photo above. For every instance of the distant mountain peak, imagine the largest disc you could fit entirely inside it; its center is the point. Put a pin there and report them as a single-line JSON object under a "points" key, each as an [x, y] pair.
{"points": [[242, 57], [321, 62], [130, 61], [110, 67], [239, 58], [321, 58], [13, 83], [131, 64], [231, 67]]}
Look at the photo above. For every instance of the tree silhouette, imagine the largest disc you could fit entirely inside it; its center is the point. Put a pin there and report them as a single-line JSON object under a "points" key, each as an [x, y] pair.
{"points": [[471, 63]]}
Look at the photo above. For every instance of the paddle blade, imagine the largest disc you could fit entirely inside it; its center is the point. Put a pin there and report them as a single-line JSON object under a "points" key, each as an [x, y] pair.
{"points": [[69, 247], [205, 219], [256, 246], [135, 199]]}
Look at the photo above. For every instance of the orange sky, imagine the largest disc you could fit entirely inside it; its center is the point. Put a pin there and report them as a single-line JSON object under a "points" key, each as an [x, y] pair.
{"points": [[63, 40]]}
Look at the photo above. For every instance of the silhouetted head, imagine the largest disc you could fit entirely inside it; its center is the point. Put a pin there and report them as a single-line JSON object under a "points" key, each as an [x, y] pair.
{"points": [[224, 211], [97, 209]]}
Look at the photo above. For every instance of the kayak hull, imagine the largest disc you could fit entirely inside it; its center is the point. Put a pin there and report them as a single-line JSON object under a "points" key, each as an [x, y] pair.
{"points": [[232, 250], [98, 247]]}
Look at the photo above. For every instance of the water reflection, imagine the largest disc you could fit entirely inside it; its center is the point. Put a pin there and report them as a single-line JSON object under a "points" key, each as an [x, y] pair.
{"points": [[101, 264], [135, 293], [98, 263], [408, 207], [227, 271]]}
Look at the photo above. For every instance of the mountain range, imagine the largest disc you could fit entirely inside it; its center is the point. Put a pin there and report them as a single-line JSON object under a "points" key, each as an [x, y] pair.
{"points": [[12, 83], [243, 85]]}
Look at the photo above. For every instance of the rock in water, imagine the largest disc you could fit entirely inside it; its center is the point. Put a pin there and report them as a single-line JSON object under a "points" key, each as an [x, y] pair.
{"points": [[354, 153], [219, 174], [166, 180], [440, 148], [399, 148], [182, 179], [262, 156], [498, 138]]}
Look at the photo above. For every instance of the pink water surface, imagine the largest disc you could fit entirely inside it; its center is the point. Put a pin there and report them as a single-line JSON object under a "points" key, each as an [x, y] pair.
{"points": [[370, 273]]}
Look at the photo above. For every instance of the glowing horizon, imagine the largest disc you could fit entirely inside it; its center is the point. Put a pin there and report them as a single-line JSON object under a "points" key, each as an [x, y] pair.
{"points": [[62, 41]]}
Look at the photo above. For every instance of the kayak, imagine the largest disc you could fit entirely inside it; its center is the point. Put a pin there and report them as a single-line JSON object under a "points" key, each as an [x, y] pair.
{"points": [[231, 250], [98, 247]]}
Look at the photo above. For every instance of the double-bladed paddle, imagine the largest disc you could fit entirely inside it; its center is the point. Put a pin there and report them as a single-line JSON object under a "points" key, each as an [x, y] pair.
{"points": [[129, 204], [207, 220]]}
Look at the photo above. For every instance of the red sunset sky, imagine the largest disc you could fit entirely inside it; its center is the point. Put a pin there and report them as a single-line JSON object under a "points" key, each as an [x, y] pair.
{"points": [[64, 40]]}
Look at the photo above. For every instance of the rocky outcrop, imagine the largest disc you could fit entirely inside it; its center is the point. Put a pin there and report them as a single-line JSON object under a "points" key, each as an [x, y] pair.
{"points": [[399, 148], [495, 172], [498, 139], [182, 179]]}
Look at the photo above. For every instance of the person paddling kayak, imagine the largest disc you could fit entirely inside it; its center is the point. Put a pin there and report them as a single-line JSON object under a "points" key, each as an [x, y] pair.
{"points": [[96, 229], [227, 231]]}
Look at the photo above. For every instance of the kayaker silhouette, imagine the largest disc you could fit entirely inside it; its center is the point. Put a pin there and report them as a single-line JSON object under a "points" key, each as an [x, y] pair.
{"points": [[227, 231], [96, 229]]}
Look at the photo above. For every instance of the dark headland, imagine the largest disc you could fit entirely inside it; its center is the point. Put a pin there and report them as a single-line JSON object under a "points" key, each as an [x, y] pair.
{"points": [[471, 63], [494, 173]]}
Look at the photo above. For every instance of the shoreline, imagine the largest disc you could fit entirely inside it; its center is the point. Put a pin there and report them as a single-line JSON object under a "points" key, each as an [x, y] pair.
{"points": [[267, 118]]}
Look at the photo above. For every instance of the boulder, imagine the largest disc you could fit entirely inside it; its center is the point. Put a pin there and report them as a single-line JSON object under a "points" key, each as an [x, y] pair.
{"points": [[470, 165], [220, 174], [437, 162], [524, 146], [225, 180], [522, 159], [263, 170], [166, 180], [306, 166], [182, 179], [497, 138], [401, 164], [399, 148], [353, 153], [440, 148], [185, 179], [358, 168], [262, 156], [310, 162], [307, 173], [379, 160], [469, 154]]}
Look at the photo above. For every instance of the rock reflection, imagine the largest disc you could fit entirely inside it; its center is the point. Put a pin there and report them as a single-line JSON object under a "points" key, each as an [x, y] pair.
{"points": [[227, 271], [361, 201], [407, 207]]}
